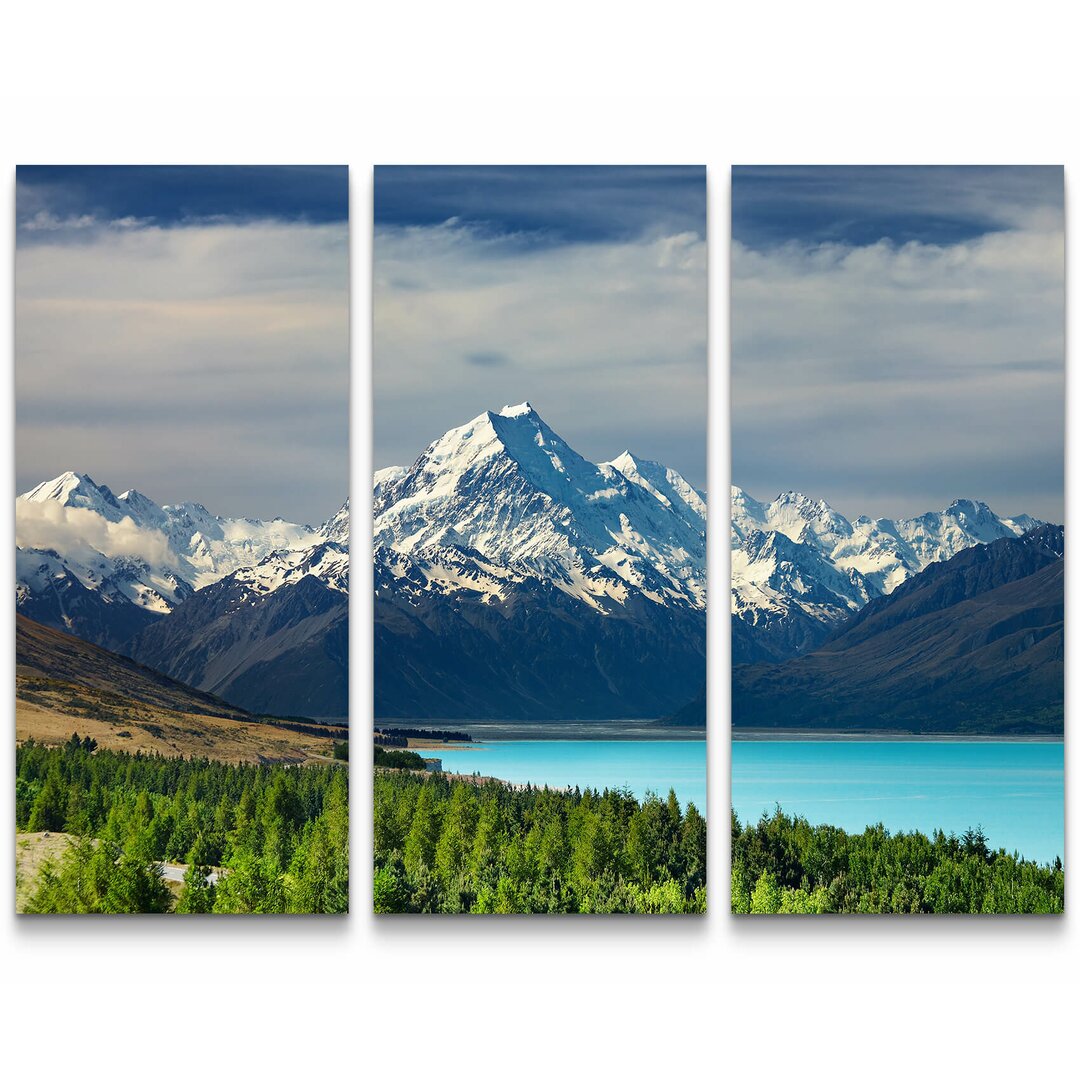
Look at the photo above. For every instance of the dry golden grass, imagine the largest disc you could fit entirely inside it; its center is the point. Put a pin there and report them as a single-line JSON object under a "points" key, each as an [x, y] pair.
{"points": [[50, 718], [65, 685]]}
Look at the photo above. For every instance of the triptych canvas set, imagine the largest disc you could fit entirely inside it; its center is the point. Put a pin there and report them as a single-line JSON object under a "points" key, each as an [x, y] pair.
{"points": [[539, 560]]}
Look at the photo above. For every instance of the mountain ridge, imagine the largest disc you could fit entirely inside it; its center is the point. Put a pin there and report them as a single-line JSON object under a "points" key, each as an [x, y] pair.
{"points": [[65, 685], [789, 597]]}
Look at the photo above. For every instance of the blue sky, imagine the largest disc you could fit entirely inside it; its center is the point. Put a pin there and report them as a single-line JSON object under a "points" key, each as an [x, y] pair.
{"points": [[184, 331], [861, 204], [898, 336], [546, 204], [580, 289], [184, 194]]}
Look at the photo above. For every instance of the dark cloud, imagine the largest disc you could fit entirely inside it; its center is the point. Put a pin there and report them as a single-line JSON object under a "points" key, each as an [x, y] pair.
{"points": [[51, 197], [857, 205], [487, 359]]}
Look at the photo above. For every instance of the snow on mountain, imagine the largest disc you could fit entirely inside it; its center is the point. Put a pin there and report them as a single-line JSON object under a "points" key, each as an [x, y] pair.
{"points": [[213, 546], [444, 571], [666, 485], [504, 494], [337, 528], [74, 536], [329, 562], [787, 596], [385, 478]]}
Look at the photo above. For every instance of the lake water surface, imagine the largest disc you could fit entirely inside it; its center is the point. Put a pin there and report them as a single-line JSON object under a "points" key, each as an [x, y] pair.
{"points": [[1014, 790], [647, 765]]}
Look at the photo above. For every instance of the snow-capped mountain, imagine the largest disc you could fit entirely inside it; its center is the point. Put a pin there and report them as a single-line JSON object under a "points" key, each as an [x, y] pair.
{"points": [[799, 568], [514, 578], [104, 566], [329, 562], [508, 488]]}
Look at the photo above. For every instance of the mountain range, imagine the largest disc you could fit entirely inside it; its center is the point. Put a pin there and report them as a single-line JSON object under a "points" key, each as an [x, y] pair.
{"points": [[516, 580], [255, 612], [974, 643], [799, 569]]}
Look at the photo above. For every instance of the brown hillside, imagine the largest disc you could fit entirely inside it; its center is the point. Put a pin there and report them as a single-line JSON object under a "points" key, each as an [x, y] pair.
{"points": [[64, 684]]}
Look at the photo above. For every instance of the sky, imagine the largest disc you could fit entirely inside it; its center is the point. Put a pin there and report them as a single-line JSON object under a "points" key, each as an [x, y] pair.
{"points": [[898, 336], [183, 330], [579, 289]]}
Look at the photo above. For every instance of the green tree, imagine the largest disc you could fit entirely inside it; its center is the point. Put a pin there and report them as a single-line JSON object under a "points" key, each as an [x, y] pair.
{"points": [[198, 894]]}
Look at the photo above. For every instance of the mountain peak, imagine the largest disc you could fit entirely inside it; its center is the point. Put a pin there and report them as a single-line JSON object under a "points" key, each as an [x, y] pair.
{"points": [[57, 488], [72, 489], [967, 506], [625, 460], [513, 491], [136, 498], [524, 409], [797, 498]]}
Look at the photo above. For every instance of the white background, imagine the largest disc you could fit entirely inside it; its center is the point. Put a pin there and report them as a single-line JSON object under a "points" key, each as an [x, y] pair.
{"points": [[560, 82]]}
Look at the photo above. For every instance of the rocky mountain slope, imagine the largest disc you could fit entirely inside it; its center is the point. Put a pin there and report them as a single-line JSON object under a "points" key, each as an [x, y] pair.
{"points": [[273, 638]]}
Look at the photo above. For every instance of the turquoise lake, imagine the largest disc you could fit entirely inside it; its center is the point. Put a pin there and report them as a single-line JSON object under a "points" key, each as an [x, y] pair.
{"points": [[597, 763], [1014, 790]]}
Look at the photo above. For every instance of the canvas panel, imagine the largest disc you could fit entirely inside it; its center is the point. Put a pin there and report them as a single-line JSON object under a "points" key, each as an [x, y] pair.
{"points": [[897, 552], [182, 532], [539, 531]]}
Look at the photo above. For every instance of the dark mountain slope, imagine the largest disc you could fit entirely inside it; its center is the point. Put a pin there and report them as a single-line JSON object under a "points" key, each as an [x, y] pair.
{"points": [[284, 653], [692, 714], [974, 644], [963, 577], [536, 655]]}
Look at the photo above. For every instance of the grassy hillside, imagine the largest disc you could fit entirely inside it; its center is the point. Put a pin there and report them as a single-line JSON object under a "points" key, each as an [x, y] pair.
{"points": [[64, 684]]}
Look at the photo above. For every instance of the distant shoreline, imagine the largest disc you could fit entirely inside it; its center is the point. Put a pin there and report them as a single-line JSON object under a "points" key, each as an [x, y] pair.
{"points": [[556, 731]]}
